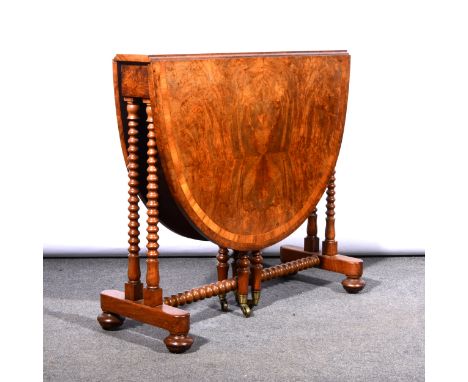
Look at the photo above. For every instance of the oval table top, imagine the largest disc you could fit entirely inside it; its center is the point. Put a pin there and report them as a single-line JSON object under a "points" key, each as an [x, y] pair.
{"points": [[248, 142]]}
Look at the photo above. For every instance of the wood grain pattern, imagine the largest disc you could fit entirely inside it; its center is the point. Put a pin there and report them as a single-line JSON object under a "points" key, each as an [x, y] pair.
{"points": [[209, 56], [270, 126], [170, 214], [134, 81]]}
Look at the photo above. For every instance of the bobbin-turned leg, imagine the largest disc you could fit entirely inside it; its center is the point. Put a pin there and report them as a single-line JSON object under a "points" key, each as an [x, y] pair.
{"points": [[177, 341], [330, 245], [152, 294], [243, 282], [256, 269], [144, 305], [223, 269], [133, 287], [330, 260], [353, 282]]}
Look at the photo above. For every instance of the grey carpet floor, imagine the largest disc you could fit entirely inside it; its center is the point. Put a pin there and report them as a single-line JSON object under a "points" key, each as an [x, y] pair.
{"points": [[306, 327]]}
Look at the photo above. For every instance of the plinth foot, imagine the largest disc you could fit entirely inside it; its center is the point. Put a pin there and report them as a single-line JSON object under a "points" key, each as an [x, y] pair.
{"points": [[178, 343], [351, 267], [175, 321], [110, 321], [353, 285]]}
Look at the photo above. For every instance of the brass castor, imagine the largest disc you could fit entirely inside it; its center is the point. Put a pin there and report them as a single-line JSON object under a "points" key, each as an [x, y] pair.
{"points": [[223, 302], [255, 299], [353, 285], [243, 303], [110, 321], [178, 343]]}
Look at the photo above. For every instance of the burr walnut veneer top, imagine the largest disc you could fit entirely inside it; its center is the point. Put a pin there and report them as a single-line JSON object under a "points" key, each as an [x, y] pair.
{"points": [[247, 141]]}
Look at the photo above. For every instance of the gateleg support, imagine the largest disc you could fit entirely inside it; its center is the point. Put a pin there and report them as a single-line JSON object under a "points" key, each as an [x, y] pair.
{"points": [[176, 321], [329, 258], [351, 267], [256, 268], [223, 271], [243, 270]]}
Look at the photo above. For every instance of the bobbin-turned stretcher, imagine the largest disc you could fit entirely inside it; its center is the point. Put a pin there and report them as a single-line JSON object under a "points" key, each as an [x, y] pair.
{"points": [[236, 149]]}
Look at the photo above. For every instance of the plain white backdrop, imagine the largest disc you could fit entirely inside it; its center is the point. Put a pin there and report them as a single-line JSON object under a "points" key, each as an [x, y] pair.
{"points": [[401, 177]]}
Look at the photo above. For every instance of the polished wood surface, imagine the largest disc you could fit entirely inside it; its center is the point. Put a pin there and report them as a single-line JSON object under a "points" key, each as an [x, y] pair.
{"points": [[271, 126], [202, 292], [152, 294], [176, 321], [256, 262], [270, 123], [133, 288], [330, 245], [223, 263], [222, 287], [312, 241], [110, 321], [232, 148], [223, 273], [349, 266], [125, 77]]}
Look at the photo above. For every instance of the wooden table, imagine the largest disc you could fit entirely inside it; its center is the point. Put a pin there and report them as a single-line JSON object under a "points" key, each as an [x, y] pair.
{"points": [[236, 149]]}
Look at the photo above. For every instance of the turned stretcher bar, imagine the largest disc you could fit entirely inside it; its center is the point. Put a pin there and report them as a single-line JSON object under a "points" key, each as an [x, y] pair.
{"points": [[228, 285]]}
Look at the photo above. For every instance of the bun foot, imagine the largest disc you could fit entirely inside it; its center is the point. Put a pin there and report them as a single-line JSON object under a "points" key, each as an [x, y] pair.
{"points": [[110, 321], [353, 285], [178, 343]]}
